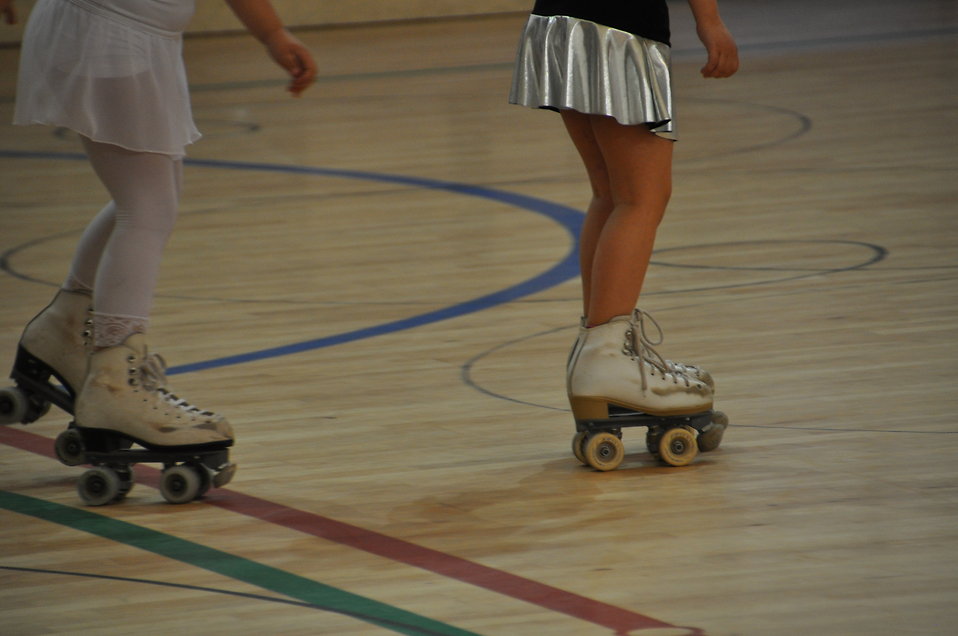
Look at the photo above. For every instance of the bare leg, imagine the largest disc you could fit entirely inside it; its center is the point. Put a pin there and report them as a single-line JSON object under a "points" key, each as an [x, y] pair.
{"points": [[600, 207], [630, 170]]}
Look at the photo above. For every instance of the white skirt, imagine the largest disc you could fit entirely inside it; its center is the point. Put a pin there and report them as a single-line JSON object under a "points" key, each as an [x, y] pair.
{"points": [[569, 63], [113, 74]]}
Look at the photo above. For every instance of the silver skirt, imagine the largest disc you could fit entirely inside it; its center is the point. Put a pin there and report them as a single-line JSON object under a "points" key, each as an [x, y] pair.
{"points": [[568, 63]]}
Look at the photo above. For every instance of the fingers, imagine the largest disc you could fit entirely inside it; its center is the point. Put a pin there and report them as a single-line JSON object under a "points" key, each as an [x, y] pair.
{"points": [[295, 59], [722, 62], [719, 66], [721, 47], [302, 68]]}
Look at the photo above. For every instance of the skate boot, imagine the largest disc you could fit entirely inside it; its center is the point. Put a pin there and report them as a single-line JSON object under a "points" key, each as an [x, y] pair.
{"points": [[573, 354], [692, 371], [618, 380], [617, 367], [51, 360], [125, 401], [124, 392], [689, 370]]}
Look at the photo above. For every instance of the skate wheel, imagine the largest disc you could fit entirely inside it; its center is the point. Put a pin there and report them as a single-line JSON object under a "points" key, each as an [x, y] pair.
{"points": [[69, 447], [13, 405], [180, 484], [38, 408], [99, 485], [711, 436], [603, 451], [206, 477], [125, 474], [677, 446], [578, 442]]}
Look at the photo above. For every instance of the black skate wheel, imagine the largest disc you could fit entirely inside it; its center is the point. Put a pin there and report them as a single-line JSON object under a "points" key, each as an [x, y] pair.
{"points": [[14, 406], [69, 447], [180, 484], [38, 408], [603, 451], [711, 436], [678, 446], [99, 485], [125, 473]]}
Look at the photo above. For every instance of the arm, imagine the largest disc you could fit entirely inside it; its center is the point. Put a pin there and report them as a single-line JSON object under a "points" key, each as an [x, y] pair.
{"points": [[8, 11], [722, 51], [263, 23]]}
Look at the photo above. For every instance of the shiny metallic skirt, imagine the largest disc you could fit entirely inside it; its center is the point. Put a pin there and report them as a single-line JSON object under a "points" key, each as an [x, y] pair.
{"points": [[568, 63]]}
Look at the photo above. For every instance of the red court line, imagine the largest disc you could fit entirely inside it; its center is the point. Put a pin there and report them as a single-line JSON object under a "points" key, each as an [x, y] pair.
{"points": [[621, 621]]}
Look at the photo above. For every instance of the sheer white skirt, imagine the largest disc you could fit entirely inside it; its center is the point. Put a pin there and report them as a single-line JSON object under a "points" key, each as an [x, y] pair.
{"points": [[110, 73]]}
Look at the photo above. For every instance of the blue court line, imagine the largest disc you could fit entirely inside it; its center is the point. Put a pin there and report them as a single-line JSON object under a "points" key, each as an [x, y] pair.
{"points": [[566, 269]]}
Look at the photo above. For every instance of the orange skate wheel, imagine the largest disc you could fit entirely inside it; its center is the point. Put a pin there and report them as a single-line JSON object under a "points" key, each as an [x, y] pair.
{"points": [[603, 451], [677, 446]]}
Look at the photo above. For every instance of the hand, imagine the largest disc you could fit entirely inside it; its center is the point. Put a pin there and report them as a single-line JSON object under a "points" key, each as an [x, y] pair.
{"points": [[721, 48], [291, 54], [9, 11]]}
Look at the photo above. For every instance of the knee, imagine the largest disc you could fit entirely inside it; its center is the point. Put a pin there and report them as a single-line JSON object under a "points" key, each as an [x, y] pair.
{"points": [[602, 202], [642, 213], [149, 216]]}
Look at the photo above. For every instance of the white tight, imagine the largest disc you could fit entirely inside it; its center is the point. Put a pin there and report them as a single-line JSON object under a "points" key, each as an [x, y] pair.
{"points": [[119, 254]]}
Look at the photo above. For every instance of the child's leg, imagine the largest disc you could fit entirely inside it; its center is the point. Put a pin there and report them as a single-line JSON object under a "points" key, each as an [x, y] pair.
{"points": [[125, 387], [86, 258], [145, 188], [639, 166], [579, 127]]}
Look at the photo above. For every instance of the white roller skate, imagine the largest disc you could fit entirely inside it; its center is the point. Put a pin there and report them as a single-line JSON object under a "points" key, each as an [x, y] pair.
{"points": [[618, 380], [51, 360], [124, 401], [690, 370]]}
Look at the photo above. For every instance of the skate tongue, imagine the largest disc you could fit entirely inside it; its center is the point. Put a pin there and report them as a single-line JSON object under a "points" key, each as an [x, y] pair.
{"points": [[153, 372]]}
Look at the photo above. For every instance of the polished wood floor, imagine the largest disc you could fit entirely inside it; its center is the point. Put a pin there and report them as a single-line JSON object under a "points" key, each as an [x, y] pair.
{"points": [[374, 283]]}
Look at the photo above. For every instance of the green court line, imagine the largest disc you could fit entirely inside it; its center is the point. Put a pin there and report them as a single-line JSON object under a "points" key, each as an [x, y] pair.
{"points": [[231, 566]]}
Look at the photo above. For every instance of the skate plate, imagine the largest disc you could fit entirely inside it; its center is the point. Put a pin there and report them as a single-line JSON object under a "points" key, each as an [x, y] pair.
{"points": [[674, 439], [34, 392], [188, 471]]}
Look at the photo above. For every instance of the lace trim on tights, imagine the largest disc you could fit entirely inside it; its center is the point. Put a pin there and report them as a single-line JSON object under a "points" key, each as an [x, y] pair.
{"points": [[112, 330]]}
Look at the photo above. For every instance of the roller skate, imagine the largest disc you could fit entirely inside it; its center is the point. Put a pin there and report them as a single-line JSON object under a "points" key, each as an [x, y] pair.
{"points": [[690, 370], [126, 415], [51, 360], [618, 380]]}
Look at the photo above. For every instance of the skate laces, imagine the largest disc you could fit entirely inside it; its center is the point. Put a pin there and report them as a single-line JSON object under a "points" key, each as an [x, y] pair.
{"points": [[153, 378], [641, 348]]}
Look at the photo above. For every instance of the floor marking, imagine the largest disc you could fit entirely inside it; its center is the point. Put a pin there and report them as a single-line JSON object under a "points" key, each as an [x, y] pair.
{"points": [[566, 269], [620, 621], [230, 565]]}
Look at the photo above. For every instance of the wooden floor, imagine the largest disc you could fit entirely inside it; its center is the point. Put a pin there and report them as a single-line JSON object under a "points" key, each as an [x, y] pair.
{"points": [[375, 283]]}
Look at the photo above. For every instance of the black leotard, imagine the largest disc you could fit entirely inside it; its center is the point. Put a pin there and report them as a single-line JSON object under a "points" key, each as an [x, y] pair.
{"points": [[644, 18]]}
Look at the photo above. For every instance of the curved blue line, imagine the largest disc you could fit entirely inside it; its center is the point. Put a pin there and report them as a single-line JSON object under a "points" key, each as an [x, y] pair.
{"points": [[567, 268]]}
